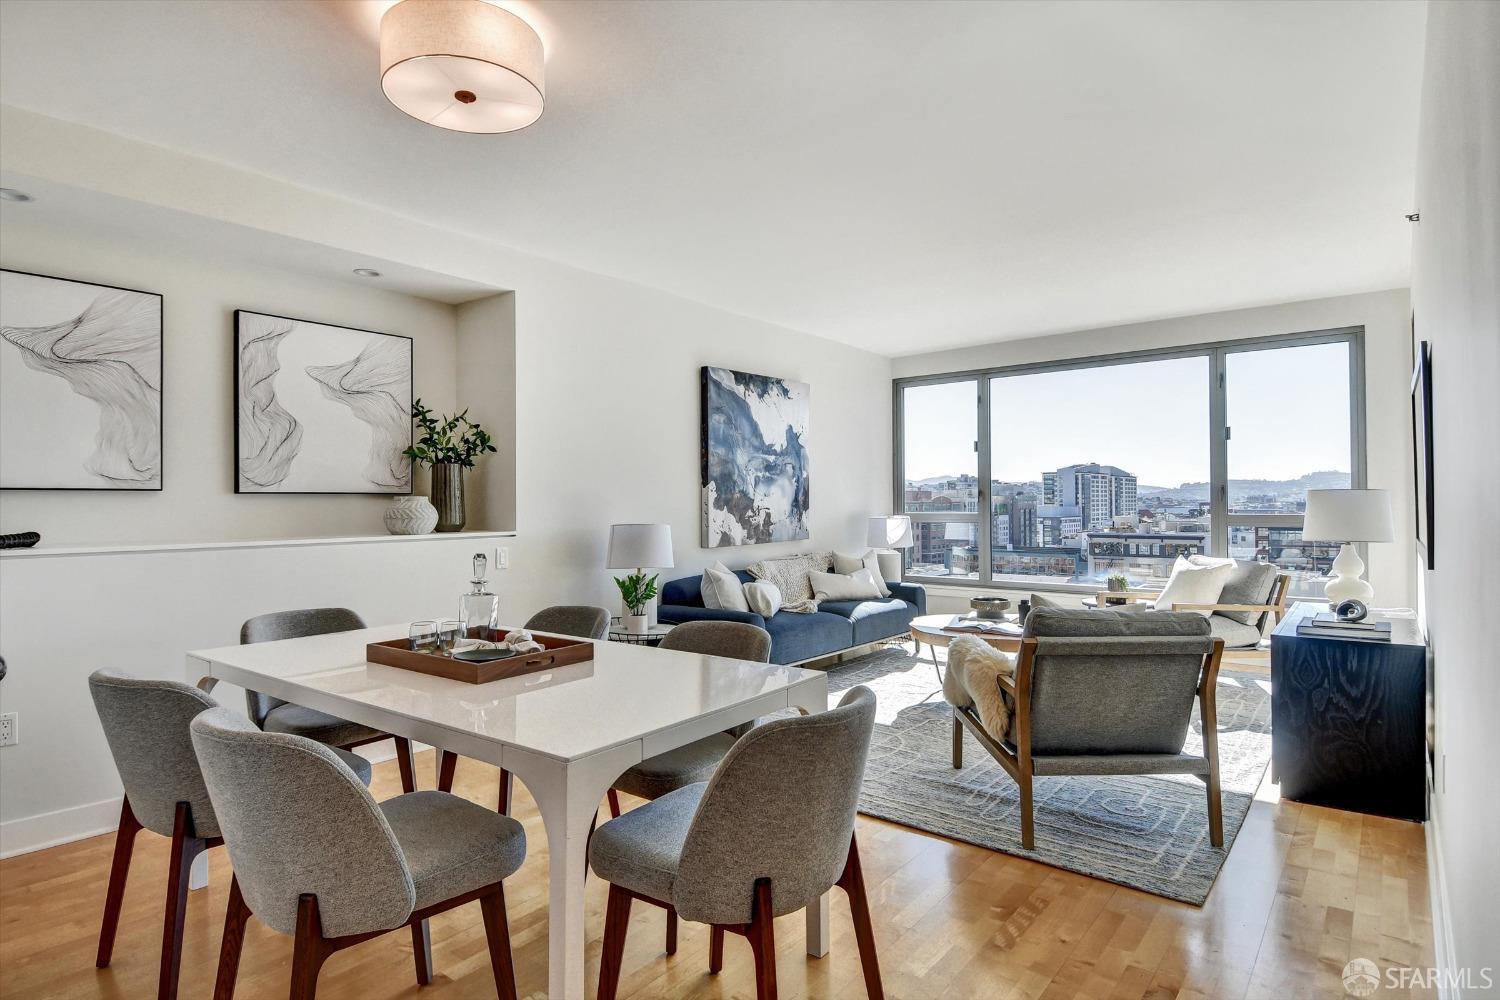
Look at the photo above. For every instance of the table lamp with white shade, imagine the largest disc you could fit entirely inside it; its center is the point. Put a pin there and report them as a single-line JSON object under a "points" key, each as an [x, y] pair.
{"points": [[638, 547], [1348, 516], [887, 532]]}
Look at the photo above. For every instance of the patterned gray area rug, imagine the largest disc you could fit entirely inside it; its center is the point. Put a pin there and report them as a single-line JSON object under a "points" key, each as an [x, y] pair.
{"points": [[1149, 833]]}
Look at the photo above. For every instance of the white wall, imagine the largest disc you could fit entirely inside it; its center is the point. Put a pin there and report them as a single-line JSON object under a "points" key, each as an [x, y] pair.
{"points": [[606, 417], [487, 386], [64, 616], [1386, 317], [200, 295], [1456, 299]]}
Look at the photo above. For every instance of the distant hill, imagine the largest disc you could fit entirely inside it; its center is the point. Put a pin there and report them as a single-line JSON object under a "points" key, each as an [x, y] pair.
{"points": [[1325, 480]]}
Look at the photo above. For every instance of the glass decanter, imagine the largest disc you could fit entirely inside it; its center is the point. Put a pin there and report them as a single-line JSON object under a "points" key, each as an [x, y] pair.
{"points": [[479, 609]]}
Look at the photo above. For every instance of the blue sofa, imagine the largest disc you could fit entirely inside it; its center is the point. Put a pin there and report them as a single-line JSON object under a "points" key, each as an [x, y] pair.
{"points": [[834, 627]]}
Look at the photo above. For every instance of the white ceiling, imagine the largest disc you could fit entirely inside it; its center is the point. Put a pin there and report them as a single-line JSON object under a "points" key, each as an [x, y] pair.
{"points": [[900, 176]]}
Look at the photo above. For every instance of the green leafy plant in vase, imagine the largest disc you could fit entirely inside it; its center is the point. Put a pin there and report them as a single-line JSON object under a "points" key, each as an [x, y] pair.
{"points": [[637, 590], [449, 445]]}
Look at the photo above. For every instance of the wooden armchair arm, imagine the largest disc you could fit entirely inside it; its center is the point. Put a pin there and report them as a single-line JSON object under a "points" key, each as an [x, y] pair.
{"points": [[1224, 607], [1007, 685]]}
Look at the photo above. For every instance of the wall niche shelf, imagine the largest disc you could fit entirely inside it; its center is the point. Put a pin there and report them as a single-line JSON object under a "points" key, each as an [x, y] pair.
{"points": [[44, 551]]}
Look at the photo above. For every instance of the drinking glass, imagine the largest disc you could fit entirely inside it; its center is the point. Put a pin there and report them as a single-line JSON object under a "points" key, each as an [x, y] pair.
{"points": [[422, 636], [448, 634]]}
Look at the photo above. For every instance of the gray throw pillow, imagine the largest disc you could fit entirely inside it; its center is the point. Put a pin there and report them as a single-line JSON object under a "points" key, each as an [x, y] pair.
{"points": [[1250, 583]]}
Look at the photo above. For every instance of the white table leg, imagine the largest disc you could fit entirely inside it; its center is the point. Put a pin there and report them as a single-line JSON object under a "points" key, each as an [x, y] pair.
{"points": [[811, 699], [568, 796], [198, 874]]}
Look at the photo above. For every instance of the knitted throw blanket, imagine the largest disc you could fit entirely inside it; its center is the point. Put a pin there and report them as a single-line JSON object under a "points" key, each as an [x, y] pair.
{"points": [[790, 577]]}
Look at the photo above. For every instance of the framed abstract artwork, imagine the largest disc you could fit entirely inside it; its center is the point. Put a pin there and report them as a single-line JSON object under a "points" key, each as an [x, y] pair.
{"points": [[1421, 435], [80, 385], [320, 408], [755, 486]]}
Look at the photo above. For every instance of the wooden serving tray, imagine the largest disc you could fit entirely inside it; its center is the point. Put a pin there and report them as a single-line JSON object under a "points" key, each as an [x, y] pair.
{"points": [[557, 652]]}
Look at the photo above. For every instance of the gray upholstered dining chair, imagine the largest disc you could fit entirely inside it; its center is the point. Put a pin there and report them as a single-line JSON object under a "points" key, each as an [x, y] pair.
{"points": [[696, 761], [1105, 693], [579, 620], [146, 725], [277, 716], [769, 834], [316, 857]]}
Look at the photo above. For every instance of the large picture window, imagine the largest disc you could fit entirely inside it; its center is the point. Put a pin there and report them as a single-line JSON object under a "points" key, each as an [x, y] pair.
{"points": [[1061, 476]]}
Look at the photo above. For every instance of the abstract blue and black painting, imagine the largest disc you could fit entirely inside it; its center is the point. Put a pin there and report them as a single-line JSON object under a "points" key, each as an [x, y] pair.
{"points": [[755, 481]]}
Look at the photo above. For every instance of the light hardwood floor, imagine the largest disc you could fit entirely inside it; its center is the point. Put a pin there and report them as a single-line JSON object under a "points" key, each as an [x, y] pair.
{"points": [[1305, 889]]}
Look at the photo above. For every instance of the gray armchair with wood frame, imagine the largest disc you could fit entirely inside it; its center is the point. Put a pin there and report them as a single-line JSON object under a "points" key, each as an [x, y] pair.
{"points": [[1105, 693], [1244, 616]]}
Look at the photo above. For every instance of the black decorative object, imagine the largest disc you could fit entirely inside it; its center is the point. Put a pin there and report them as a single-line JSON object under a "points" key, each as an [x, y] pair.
{"points": [[23, 540], [1351, 610], [1421, 435]]}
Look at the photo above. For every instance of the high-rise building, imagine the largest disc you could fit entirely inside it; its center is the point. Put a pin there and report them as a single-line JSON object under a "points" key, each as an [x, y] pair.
{"points": [[1100, 492]]}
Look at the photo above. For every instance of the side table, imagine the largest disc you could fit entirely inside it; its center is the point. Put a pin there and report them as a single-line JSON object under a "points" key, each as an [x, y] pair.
{"points": [[651, 637]]}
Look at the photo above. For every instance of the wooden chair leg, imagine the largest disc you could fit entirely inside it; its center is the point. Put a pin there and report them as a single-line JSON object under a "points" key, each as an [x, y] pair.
{"points": [[235, 919], [507, 789], [716, 950], [185, 848], [616, 923], [447, 765], [421, 950], [497, 932], [958, 741], [852, 881], [763, 941], [1028, 825], [407, 763], [614, 804], [308, 953], [119, 870], [671, 930]]}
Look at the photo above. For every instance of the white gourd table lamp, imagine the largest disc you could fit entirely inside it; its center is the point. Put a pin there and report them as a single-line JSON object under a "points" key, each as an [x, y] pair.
{"points": [[887, 532], [639, 547], [1348, 516]]}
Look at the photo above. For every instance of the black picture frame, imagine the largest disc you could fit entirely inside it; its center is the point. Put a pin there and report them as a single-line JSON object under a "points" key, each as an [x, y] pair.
{"points": [[1422, 459], [161, 403], [235, 402]]}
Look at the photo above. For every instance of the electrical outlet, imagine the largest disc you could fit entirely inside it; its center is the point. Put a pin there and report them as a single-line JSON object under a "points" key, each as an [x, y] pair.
{"points": [[10, 734], [502, 558]]}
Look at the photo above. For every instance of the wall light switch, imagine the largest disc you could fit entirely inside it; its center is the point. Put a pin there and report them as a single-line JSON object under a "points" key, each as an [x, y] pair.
{"points": [[502, 557]]}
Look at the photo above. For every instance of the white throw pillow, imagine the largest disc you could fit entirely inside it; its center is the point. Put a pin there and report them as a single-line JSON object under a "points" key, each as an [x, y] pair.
{"points": [[721, 589], [763, 598], [846, 563], [1192, 584], [857, 586]]}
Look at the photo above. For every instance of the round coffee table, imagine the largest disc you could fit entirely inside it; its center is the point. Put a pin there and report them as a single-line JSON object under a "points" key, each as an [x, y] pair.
{"points": [[933, 630]]}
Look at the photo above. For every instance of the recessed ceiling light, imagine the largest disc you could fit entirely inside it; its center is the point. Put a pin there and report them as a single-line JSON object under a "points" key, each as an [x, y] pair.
{"points": [[11, 194], [367, 272]]}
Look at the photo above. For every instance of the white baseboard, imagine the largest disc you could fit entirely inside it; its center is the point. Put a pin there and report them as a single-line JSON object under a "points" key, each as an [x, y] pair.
{"points": [[62, 826], [1443, 954]]}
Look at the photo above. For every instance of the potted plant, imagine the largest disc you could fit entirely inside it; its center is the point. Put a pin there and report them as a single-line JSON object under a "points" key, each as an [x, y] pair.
{"points": [[1118, 583], [637, 590], [448, 445]]}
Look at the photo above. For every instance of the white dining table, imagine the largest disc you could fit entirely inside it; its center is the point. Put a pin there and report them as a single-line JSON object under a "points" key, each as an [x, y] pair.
{"points": [[566, 732]]}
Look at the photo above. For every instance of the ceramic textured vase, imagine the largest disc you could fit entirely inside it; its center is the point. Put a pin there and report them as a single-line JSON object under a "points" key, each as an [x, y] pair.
{"points": [[448, 495], [413, 515]]}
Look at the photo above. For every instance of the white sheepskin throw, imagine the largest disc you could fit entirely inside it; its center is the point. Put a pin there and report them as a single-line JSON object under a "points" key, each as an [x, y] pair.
{"points": [[973, 666]]}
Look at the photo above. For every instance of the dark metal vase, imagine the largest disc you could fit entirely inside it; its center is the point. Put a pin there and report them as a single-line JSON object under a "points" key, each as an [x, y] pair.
{"points": [[448, 495]]}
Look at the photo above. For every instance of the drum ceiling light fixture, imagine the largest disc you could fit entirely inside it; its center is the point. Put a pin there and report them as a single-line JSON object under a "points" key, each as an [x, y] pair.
{"points": [[464, 65]]}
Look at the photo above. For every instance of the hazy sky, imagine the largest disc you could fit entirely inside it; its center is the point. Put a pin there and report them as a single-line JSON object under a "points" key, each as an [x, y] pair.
{"points": [[1288, 413]]}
